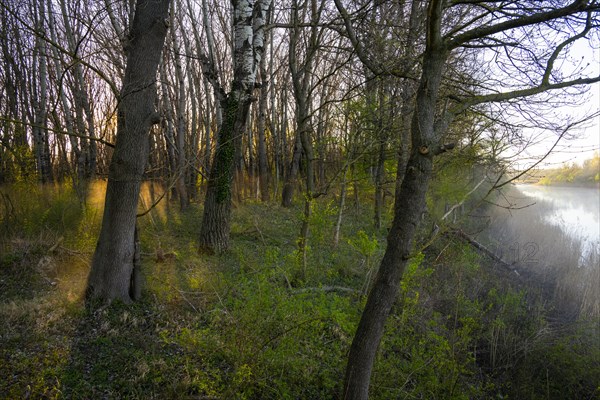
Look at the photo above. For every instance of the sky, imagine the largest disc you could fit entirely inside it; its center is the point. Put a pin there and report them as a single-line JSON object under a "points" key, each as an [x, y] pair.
{"points": [[587, 141], [588, 137]]}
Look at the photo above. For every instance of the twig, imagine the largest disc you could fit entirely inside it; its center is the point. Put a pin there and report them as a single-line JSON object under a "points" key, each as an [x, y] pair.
{"points": [[56, 245], [186, 299], [485, 250], [262, 238], [272, 339], [326, 289], [58, 131]]}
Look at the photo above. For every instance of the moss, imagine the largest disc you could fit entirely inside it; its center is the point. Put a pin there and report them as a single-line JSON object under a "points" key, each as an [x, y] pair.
{"points": [[222, 169]]}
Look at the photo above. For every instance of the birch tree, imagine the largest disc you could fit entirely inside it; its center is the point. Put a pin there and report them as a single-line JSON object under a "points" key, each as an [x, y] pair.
{"points": [[263, 168], [249, 19]]}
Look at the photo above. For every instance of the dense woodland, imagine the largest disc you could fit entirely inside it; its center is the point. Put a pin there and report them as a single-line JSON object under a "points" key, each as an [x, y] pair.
{"points": [[280, 199]]}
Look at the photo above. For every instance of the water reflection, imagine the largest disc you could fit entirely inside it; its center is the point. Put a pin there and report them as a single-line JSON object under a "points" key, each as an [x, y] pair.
{"points": [[575, 210]]}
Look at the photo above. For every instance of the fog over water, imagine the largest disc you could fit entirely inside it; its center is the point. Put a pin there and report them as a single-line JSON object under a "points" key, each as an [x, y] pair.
{"points": [[575, 210], [553, 235]]}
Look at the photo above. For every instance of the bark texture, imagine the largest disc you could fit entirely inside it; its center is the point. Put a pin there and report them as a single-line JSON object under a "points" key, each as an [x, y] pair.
{"points": [[113, 262], [409, 205], [249, 19], [216, 221]]}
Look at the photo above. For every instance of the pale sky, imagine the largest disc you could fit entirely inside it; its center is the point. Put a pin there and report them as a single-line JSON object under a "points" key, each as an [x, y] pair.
{"points": [[587, 137], [582, 148]]}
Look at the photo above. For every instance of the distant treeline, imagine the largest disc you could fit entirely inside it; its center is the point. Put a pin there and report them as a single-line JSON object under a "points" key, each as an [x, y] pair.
{"points": [[574, 174]]}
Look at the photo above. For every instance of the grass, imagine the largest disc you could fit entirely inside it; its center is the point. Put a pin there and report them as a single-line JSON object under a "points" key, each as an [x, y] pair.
{"points": [[527, 240], [254, 324]]}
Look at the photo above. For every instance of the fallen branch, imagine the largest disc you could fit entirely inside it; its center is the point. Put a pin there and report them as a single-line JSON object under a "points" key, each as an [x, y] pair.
{"points": [[326, 289], [465, 197], [56, 245], [485, 250]]}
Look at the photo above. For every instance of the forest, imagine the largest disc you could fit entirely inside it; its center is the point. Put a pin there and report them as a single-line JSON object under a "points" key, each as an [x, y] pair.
{"points": [[574, 174], [295, 199]]}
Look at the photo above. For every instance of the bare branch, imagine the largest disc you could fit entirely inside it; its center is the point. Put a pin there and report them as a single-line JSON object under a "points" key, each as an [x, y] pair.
{"points": [[58, 131], [531, 19]]}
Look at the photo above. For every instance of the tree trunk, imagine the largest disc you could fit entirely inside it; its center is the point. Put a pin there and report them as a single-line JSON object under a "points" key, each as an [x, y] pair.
{"points": [[193, 148], [66, 109], [41, 143], [86, 162], [409, 205], [167, 123], [407, 92], [180, 173], [208, 128], [249, 21], [310, 188], [341, 205], [263, 168], [287, 194], [112, 269], [216, 220], [380, 179]]}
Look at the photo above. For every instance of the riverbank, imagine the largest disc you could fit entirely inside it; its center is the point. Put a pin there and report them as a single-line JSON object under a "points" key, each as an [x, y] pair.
{"points": [[591, 185], [554, 234], [584, 175]]}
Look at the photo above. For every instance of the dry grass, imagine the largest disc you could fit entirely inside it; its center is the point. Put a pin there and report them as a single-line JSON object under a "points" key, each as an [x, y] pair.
{"points": [[525, 239]]}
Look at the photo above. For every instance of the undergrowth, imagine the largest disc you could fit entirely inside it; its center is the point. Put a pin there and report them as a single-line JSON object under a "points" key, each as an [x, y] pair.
{"points": [[253, 324]]}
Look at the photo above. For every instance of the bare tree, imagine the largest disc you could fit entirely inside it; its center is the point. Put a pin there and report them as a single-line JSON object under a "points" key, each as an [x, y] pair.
{"points": [[450, 27], [40, 134], [261, 125], [113, 276], [180, 171]]}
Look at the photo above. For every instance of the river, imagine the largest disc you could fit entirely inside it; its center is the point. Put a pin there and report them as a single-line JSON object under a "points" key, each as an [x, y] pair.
{"points": [[575, 210]]}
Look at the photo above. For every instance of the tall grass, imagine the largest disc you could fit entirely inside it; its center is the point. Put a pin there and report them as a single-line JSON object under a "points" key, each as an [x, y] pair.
{"points": [[523, 236], [28, 210]]}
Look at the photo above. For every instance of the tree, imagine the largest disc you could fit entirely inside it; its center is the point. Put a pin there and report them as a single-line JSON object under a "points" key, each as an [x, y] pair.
{"points": [[249, 21], [263, 168], [40, 135], [450, 27], [302, 73], [112, 276]]}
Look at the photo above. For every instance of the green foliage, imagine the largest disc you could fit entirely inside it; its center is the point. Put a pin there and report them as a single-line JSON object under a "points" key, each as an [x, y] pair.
{"points": [[322, 221], [363, 244], [31, 209], [270, 343], [566, 367], [24, 171], [455, 176], [427, 354], [245, 326], [586, 174]]}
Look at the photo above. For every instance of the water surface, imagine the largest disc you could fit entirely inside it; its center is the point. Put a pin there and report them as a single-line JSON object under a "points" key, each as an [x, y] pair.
{"points": [[575, 210]]}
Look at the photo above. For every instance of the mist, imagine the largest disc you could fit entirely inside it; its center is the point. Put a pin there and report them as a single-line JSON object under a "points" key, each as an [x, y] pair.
{"points": [[552, 233]]}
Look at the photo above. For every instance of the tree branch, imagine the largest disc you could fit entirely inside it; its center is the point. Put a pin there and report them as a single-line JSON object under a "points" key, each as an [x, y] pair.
{"points": [[532, 19], [57, 131]]}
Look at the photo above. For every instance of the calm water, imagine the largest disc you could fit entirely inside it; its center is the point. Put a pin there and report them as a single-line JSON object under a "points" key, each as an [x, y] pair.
{"points": [[575, 210]]}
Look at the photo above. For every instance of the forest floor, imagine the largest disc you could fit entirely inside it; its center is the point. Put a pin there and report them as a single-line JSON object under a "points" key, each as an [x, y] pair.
{"points": [[257, 323]]}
